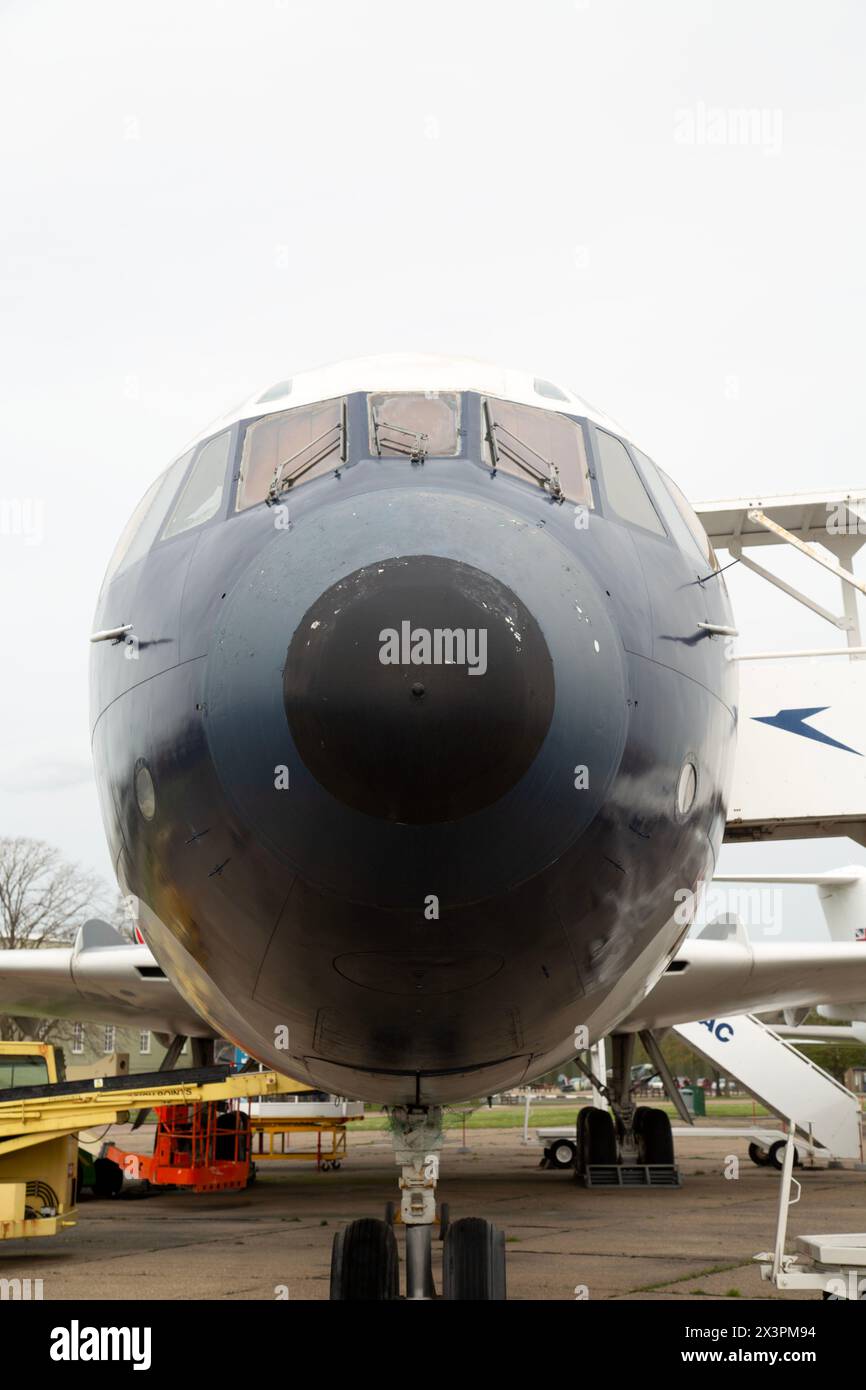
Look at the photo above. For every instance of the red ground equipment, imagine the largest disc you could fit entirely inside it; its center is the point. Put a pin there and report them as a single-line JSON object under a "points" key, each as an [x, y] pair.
{"points": [[204, 1147]]}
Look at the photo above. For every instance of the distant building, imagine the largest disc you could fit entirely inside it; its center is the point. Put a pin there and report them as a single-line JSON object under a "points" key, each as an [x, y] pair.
{"points": [[84, 1043], [855, 1080]]}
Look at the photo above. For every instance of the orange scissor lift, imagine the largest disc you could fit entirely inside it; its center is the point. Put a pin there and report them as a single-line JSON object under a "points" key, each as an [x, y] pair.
{"points": [[203, 1146]]}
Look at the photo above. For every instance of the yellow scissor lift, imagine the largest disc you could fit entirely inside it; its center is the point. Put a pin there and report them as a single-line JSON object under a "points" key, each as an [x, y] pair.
{"points": [[40, 1124]]}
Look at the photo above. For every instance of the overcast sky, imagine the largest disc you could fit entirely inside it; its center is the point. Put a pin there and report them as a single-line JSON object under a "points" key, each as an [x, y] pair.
{"points": [[199, 199]]}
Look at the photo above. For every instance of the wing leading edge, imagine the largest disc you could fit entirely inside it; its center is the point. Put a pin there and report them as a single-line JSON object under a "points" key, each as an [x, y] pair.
{"points": [[99, 979], [716, 978]]}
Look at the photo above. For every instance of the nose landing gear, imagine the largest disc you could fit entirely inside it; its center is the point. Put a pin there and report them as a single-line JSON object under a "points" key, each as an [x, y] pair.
{"points": [[364, 1257]]}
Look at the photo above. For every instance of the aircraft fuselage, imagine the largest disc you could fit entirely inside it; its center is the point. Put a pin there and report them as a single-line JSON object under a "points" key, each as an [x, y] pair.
{"points": [[397, 759]]}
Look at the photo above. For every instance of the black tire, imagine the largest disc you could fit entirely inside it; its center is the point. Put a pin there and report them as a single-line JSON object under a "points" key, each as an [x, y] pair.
{"points": [[80, 1184], [655, 1137], [444, 1219], [596, 1138], [500, 1292], [364, 1262], [232, 1137], [776, 1156], [758, 1154], [473, 1262], [107, 1177], [562, 1153], [139, 1187]]}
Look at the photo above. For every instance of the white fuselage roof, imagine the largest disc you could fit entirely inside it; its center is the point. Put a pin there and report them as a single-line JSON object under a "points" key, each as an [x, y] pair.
{"points": [[402, 371]]}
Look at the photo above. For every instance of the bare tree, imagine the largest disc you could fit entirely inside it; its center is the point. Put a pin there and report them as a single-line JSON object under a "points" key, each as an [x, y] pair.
{"points": [[43, 901]]}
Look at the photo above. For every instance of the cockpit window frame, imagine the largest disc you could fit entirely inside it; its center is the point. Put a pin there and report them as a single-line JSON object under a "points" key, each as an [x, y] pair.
{"points": [[275, 494], [421, 455], [164, 502], [662, 534], [219, 511], [162, 499], [682, 511], [554, 487]]}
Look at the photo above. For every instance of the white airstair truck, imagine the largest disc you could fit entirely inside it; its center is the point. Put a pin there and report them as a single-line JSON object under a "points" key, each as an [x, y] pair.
{"points": [[824, 1113]]}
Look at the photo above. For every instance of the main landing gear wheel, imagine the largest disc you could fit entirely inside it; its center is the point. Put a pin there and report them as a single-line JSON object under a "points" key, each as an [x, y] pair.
{"points": [[596, 1138], [473, 1261], [364, 1262], [654, 1135]]}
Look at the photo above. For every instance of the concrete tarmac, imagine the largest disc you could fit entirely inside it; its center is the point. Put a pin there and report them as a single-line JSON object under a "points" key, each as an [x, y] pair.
{"points": [[695, 1242]]}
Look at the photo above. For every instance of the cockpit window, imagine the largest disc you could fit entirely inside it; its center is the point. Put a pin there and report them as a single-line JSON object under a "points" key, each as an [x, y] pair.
{"points": [[290, 447], [548, 389], [680, 517], [203, 490], [691, 518], [624, 486], [536, 444], [414, 424], [143, 526], [275, 393]]}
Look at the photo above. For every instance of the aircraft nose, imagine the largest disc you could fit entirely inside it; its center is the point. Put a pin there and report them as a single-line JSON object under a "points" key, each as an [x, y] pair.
{"points": [[414, 692], [418, 689]]}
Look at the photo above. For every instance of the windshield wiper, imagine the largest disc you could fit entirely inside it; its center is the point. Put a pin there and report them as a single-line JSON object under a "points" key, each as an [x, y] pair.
{"points": [[498, 446], [417, 454], [331, 439]]}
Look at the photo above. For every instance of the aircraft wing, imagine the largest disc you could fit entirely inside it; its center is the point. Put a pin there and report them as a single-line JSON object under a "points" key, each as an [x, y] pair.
{"points": [[712, 979], [809, 1032], [103, 979], [99, 979]]}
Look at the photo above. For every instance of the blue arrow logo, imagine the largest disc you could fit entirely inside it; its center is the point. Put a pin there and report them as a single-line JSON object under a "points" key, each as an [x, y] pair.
{"points": [[793, 721]]}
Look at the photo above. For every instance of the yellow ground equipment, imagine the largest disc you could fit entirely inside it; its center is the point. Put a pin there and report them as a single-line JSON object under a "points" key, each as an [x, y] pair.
{"points": [[41, 1116], [319, 1126]]}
